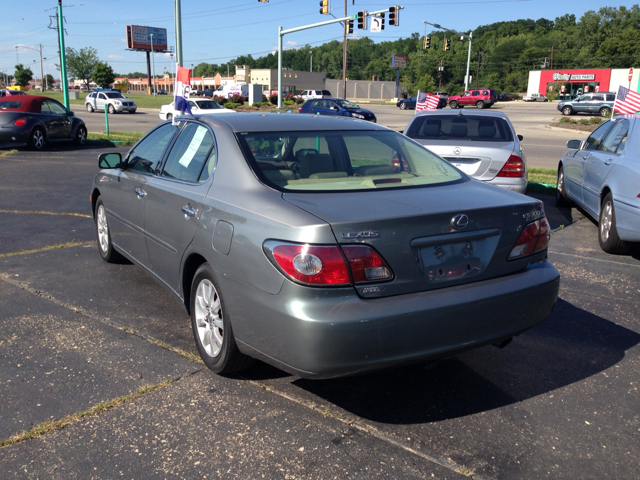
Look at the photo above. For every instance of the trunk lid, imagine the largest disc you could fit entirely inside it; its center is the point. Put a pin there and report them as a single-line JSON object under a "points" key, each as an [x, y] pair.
{"points": [[412, 230]]}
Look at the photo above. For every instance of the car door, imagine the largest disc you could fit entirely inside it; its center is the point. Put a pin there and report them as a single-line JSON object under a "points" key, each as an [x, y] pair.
{"points": [[600, 163], [174, 200], [574, 165], [59, 120], [595, 102], [101, 101], [316, 106], [125, 197]]}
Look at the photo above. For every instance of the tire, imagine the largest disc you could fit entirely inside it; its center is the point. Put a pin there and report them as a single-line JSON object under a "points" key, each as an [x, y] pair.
{"points": [[607, 233], [169, 116], [80, 137], [605, 111], [480, 104], [130, 111], [36, 139], [90, 108], [567, 110], [546, 99], [211, 325], [453, 104], [403, 106], [562, 200], [103, 235], [111, 109]]}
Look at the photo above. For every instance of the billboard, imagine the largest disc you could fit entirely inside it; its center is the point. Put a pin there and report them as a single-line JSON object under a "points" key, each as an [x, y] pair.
{"points": [[398, 61], [139, 38]]}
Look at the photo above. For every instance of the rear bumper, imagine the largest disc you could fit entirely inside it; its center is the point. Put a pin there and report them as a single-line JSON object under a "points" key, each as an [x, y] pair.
{"points": [[9, 138], [518, 185], [323, 333]]}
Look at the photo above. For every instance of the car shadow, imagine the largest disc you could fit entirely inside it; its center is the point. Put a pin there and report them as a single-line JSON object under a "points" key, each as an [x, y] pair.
{"points": [[558, 217], [570, 346]]}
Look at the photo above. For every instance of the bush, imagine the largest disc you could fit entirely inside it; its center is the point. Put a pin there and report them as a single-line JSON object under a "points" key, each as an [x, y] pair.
{"points": [[239, 99], [566, 120], [258, 104], [596, 120], [220, 100], [289, 102], [584, 121], [266, 103], [273, 99], [232, 105], [299, 100]]}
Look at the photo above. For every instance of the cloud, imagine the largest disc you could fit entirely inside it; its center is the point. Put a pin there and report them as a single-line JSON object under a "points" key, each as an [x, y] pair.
{"points": [[115, 57]]}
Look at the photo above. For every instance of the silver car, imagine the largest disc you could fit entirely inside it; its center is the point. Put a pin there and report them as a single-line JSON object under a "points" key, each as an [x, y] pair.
{"points": [[602, 175], [114, 102], [483, 144], [294, 239]]}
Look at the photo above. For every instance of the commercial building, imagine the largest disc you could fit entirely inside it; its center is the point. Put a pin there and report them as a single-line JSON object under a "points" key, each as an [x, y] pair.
{"points": [[571, 83]]}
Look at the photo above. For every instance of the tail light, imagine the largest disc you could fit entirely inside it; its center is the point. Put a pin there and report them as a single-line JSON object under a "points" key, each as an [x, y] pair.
{"points": [[533, 239], [513, 168], [300, 109], [329, 265], [20, 122]]}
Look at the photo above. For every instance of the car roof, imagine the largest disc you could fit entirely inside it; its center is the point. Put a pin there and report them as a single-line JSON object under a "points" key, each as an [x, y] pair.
{"points": [[28, 102], [452, 113], [274, 122]]}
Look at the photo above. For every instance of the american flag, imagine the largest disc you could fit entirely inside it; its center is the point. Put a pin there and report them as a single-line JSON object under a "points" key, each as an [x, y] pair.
{"points": [[627, 101], [426, 101]]}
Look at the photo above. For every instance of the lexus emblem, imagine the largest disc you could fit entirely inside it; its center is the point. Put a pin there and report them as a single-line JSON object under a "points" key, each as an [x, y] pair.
{"points": [[457, 150], [460, 221]]}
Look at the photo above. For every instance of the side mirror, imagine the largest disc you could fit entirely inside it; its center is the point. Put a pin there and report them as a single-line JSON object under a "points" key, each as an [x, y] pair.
{"points": [[520, 137], [109, 160], [401, 132], [574, 144]]}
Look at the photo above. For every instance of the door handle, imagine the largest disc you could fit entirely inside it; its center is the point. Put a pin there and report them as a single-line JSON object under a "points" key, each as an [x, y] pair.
{"points": [[140, 193], [608, 161], [585, 157], [188, 212]]}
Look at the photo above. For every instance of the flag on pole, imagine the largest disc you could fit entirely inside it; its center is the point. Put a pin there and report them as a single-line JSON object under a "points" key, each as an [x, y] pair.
{"points": [[182, 90], [626, 101], [426, 101], [7, 92]]}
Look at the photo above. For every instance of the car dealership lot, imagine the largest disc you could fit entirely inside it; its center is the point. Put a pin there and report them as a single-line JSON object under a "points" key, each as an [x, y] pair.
{"points": [[559, 401]]}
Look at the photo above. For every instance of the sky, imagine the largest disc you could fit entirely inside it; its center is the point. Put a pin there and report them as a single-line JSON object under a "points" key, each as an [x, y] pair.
{"points": [[216, 31]]}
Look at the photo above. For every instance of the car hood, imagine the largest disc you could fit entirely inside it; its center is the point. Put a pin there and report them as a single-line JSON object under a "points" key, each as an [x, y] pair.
{"points": [[362, 111]]}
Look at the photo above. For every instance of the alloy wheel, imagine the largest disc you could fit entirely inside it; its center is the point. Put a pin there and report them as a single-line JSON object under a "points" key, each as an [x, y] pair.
{"points": [[606, 221], [208, 313], [103, 230]]}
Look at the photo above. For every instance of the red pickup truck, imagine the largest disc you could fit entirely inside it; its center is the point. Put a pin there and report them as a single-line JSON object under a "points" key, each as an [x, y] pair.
{"points": [[480, 97]]}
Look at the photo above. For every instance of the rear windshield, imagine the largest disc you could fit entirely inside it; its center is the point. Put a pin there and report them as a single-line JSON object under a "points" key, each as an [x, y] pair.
{"points": [[457, 127], [10, 105], [327, 161]]}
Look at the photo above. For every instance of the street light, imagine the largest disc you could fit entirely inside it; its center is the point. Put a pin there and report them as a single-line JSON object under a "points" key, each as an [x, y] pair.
{"points": [[153, 66], [171, 56]]}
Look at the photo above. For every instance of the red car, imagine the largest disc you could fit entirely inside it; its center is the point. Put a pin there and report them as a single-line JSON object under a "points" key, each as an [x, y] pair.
{"points": [[480, 97]]}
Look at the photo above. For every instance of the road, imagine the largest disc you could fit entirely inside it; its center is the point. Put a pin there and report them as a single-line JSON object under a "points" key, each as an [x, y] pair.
{"points": [[560, 401], [543, 146]]}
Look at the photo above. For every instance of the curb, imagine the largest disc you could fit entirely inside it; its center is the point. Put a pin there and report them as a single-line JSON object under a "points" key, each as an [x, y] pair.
{"points": [[545, 188]]}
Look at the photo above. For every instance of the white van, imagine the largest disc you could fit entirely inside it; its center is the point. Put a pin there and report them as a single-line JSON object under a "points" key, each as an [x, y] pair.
{"points": [[227, 91]]}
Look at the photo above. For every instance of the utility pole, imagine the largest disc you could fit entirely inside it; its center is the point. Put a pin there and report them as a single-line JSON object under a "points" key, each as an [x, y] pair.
{"points": [[344, 55], [478, 72], [551, 66], [440, 70], [63, 61], [178, 28], [41, 71]]}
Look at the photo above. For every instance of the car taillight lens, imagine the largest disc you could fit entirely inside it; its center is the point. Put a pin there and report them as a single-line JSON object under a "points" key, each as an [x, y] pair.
{"points": [[513, 168], [20, 122], [326, 265], [300, 109], [534, 238]]}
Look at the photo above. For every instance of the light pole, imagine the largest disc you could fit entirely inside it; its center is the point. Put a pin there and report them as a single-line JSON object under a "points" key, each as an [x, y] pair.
{"points": [[171, 56], [153, 66], [311, 61], [461, 35], [44, 76], [17, 57]]}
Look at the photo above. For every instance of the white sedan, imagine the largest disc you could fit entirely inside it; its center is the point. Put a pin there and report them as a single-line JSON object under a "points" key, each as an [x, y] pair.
{"points": [[197, 107]]}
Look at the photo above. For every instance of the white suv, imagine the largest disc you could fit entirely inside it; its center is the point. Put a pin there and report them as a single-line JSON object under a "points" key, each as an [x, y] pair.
{"points": [[309, 94], [113, 101]]}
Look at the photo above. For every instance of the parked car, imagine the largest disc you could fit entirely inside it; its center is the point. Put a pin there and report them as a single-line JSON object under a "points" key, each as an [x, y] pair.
{"points": [[310, 94], [33, 121], [336, 106], [305, 249], [113, 101], [507, 97], [480, 97], [410, 103], [198, 107], [597, 103], [602, 175], [444, 95], [3, 92], [535, 97], [160, 91], [484, 145], [209, 92]]}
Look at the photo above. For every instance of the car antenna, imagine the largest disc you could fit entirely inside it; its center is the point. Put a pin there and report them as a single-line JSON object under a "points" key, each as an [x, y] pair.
{"points": [[460, 113]]}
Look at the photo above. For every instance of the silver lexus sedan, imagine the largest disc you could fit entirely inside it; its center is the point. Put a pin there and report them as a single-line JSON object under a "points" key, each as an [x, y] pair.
{"points": [[323, 246], [483, 144]]}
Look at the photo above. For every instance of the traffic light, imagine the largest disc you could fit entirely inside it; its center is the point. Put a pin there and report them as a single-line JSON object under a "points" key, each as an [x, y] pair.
{"points": [[447, 44], [325, 10], [381, 15], [394, 15], [350, 27], [427, 42], [361, 21]]}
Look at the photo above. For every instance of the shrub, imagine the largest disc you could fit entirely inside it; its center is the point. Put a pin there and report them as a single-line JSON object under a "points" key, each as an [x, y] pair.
{"points": [[258, 104], [232, 105], [299, 100], [596, 120], [584, 121], [289, 102], [220, 100], [239, 99], [273, 99], [266, 103], [566, 120]]}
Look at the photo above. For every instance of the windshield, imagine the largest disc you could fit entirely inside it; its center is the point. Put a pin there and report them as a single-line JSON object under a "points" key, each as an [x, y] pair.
{"points": [[327, 161], [475, 128], [113, 95], [207, 104], [347, 104]]}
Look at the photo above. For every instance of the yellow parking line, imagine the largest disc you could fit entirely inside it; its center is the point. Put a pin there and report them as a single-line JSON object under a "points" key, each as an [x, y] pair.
{"points": [[46, 213], [44, 249]]}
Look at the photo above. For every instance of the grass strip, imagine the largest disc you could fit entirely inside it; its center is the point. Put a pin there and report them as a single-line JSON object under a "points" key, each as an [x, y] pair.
{"points": [[38, 212], [50, 426], [45, 249], [547, 176]]}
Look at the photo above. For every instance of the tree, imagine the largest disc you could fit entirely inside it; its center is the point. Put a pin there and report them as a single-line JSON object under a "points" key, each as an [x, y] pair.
{"points": [[103, 75], [81, 64], [426, 83], [23, 75], [49, 80]]}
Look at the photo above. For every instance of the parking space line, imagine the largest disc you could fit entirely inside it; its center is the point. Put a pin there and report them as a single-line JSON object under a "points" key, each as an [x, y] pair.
{"points": [[582, 257], [37, 212], [45, 249]]}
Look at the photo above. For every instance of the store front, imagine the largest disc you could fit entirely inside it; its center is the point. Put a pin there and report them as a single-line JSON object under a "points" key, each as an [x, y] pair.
{"points": [[570, 84]]}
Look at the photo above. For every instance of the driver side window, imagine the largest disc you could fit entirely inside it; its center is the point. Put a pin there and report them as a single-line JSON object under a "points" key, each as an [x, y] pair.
{"points": [[146, 156], [595, 139]]}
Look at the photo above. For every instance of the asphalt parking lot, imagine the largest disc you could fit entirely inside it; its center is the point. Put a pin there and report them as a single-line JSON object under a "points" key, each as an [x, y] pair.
{"points": [[561, 401]]}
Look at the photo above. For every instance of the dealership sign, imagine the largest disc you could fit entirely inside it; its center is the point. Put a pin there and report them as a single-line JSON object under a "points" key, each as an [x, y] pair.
{"points": [[139, 38], [565, 77]]}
